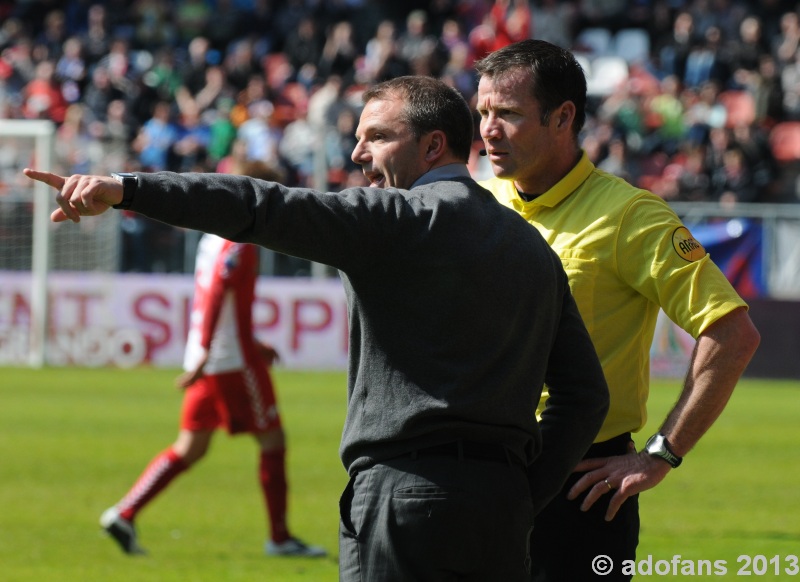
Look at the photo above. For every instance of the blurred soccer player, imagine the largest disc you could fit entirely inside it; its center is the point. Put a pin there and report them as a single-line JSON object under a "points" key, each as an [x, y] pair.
{"points": [[227, 385]]}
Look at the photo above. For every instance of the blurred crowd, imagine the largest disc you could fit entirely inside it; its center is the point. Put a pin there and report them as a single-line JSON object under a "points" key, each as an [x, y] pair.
{"points": [[696, 100]]}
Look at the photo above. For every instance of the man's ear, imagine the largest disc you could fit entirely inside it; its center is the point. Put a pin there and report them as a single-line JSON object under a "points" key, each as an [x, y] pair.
{"points": [[437, 144], [565, 115]]}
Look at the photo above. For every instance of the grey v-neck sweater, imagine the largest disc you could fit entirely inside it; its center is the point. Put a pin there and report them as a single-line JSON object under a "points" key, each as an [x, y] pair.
{"points": [[459, 311]]}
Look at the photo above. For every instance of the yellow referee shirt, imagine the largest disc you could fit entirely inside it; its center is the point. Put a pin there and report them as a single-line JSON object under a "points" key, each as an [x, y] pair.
{"points": [[627, 254]]}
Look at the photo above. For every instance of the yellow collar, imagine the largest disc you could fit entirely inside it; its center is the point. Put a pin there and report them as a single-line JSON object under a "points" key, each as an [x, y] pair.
{"points": [[566, 186]]}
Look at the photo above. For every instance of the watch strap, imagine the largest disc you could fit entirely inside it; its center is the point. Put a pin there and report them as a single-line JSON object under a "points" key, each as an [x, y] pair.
{"points": [[130, 182]]}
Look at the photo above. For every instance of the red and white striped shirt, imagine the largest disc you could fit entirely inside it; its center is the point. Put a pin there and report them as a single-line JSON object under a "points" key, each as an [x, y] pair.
{"points": [[221, 318]]}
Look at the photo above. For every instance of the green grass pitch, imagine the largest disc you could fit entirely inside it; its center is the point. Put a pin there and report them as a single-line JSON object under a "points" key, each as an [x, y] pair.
{"points": [[73, 440]]}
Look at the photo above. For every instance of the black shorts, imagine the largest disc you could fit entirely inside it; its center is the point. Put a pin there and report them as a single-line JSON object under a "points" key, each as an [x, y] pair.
{"points": [[565, 539]]}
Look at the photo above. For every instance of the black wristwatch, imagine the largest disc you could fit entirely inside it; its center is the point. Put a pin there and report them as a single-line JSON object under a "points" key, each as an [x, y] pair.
{"points": [[129, 184], [657, 446]]}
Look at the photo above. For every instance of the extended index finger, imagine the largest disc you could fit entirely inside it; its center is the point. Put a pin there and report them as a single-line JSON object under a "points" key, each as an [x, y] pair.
{"points": [[48, 178]]}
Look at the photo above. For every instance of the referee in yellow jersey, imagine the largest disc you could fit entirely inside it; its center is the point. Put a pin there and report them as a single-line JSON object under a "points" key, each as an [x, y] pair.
{"points": [[627, 256]]}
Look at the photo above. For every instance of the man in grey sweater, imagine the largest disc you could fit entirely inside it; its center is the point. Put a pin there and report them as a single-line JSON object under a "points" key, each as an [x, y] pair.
{"points": [[459, 313]]}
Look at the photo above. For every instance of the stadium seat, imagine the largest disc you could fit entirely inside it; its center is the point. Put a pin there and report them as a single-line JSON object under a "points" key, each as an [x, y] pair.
{"points": [[633, 45], [607, 74], [585, 63], [593, 42], [740, 105], [784, 139]]}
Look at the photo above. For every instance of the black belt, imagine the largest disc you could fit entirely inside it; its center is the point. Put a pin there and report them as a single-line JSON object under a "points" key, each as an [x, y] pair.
{"points": [[470, 450]]}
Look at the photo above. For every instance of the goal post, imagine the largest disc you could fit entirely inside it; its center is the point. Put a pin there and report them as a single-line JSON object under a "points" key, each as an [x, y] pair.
{"points": [[42, 133]]}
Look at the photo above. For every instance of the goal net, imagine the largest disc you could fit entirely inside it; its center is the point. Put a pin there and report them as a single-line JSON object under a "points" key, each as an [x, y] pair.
{"points": [[31, 247]]}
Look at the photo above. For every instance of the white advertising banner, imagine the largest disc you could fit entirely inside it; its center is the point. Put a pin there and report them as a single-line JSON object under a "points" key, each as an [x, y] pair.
{"points": [[100, 319]]}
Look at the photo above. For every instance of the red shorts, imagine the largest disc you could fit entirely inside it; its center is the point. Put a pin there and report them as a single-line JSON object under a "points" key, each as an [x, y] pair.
{"points": [[241, 402]]}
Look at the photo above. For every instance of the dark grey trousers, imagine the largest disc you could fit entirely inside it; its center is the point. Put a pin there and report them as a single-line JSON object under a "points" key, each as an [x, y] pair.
{"points": [[436, 519]]}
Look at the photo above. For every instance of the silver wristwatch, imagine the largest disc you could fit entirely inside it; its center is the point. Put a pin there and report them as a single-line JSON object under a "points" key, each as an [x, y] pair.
{"points": [[657, 446], [129, 183]]}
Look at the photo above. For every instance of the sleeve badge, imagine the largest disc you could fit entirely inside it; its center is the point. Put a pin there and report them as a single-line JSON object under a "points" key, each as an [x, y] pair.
{"points": [[686, 245]]}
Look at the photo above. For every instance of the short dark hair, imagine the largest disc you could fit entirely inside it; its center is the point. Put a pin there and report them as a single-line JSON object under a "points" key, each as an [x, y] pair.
{"points": [[556, 75], [430, 104]]}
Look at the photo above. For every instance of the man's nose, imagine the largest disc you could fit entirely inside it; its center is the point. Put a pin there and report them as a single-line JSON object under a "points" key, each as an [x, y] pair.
{"points": [[489, 128], [359, 154]]}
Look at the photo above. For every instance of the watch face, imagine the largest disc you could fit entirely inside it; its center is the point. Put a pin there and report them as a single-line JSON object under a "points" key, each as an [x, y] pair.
{"points": [[655, 444]]}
